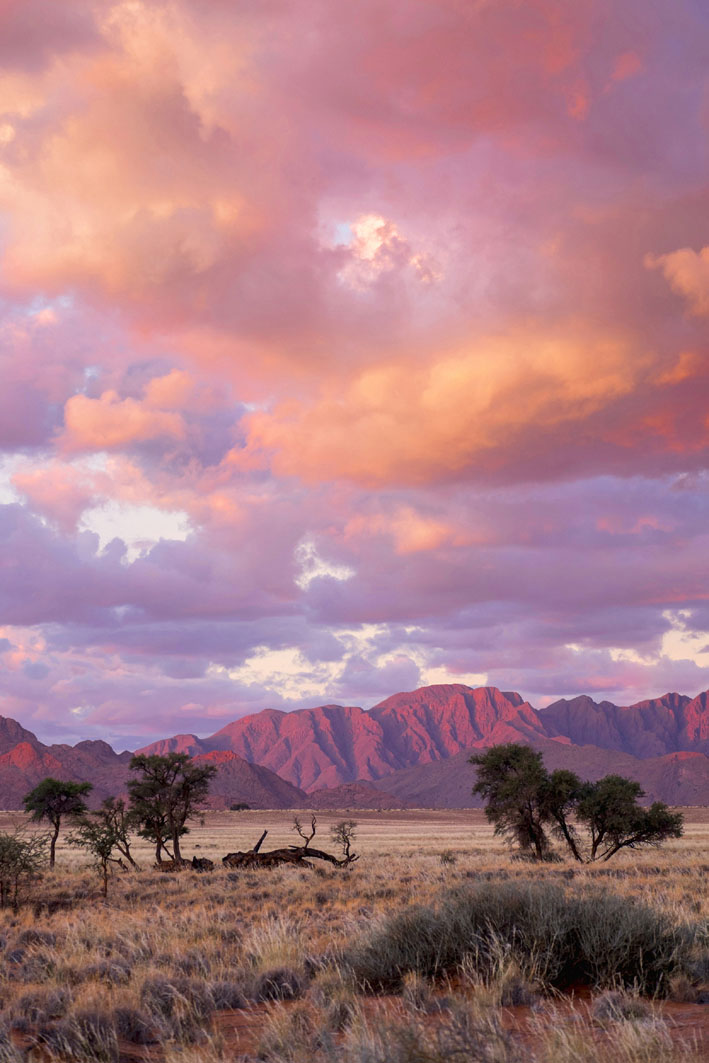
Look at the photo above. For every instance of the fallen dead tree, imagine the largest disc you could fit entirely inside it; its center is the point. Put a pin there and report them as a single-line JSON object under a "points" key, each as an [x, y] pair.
{"points": [[342, 833]]}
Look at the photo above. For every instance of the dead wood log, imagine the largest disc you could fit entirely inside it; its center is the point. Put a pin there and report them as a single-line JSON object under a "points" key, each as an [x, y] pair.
{"points": [[269, 859], [201, 863], [320, 854], [293, 854]]}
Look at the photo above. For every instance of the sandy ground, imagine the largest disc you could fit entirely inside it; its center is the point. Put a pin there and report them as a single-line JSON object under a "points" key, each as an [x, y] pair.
{"points": [[410, 832]]}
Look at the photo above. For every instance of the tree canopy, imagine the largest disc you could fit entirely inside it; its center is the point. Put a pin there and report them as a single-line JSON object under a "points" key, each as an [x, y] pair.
{"points": [[166, 794], [53, 799], [530, 805]]}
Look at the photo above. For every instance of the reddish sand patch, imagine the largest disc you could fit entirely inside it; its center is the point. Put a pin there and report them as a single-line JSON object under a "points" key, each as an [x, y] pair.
{"points": [[241, 1030]]}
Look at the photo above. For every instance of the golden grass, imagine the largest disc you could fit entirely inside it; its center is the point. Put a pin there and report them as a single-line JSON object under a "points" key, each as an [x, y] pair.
{"points": [[232, 927]]}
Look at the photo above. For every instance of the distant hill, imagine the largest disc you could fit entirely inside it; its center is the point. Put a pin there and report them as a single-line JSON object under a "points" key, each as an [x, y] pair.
{"points": [[677, 778], [671, 724], [412, 746], [28, 762], [237, 781], [355, 795]]}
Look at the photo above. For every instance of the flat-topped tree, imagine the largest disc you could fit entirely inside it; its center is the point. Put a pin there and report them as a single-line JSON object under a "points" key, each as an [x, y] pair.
{"points": [[167, 793], [52, 799], [511, 779], [525, 802], [610, 811]]}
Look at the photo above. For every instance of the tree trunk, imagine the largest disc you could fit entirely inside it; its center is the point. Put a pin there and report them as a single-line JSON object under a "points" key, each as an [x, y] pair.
{"points": [[570, 841], [259, 843], [52, 844]]}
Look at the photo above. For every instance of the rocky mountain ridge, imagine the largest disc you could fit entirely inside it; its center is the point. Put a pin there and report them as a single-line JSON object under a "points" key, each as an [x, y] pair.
{"points": [[410, 747]]}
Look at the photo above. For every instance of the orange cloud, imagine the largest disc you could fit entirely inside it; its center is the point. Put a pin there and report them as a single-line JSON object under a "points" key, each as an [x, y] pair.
{"points": [[411, 532], [687, 273], [109, 422], [405, 422]]}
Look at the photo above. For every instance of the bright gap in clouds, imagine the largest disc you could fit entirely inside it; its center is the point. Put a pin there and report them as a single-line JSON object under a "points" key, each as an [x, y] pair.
{"points": [[313, 566], [433, 676], [680, 643], [8, 467], [290, 674], [138, 526]]}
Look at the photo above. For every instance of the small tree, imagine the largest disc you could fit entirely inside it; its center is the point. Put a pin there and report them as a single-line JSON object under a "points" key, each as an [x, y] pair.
{"points": [[98, 836], [53, 799], [511, 778], [523, 800], [104, 833], [343, 834], [167, 793], [21, 857], [615, 820], [115, 815]]}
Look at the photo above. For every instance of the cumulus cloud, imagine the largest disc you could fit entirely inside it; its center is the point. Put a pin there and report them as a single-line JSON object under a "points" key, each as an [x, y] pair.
{"points": [[687, 273], [109, 422], [389, 320]]}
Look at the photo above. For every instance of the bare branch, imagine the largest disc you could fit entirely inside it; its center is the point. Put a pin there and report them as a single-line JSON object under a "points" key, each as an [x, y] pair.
{"points": [[298, 828]]}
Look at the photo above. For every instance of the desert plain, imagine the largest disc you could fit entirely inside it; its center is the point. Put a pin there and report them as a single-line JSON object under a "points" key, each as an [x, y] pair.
{"points": [[328, 964]]}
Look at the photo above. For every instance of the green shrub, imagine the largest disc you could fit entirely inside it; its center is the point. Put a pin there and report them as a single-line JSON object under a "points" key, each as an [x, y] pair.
{"points": [[597, 939]]}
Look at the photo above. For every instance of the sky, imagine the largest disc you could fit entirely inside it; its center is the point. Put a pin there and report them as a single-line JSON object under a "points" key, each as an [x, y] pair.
{"points": [[346, 348]]}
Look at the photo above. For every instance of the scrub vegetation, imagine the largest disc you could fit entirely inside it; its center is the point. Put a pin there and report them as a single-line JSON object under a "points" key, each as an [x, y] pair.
{"points": [[402, 956]]}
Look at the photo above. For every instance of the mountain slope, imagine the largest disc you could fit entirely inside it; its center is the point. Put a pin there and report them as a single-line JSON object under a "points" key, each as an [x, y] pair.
{"points": [[670, 724], [335, 744], [661, 742], [677, 778], [27, 763], [12, 733], [237, 781]]}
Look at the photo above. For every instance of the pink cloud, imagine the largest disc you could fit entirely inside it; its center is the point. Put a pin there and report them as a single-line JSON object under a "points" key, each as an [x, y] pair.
{"points": [[687, 273], [419, 287], [109, 422]]}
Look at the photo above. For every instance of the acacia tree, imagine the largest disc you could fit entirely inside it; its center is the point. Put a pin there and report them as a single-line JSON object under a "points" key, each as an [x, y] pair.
{"points": [[615, 820], [167, 793], [525, 802], [104, 833], [559, 798], [53, 799], [114, 813], [97, 835], [511, 779]]}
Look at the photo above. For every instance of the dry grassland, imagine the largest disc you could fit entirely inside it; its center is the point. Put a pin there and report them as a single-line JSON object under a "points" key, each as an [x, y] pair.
{"points": [[269, 964]]}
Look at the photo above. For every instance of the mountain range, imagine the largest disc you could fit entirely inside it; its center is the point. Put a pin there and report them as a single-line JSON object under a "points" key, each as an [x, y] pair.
{"points": [[411, 749]]}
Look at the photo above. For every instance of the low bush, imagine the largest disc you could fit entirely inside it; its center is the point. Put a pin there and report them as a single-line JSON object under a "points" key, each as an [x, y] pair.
{"points": [[134, 1026], [41, 1005], [598, 939], [179, 1006], [85, 1037], [281, 983], [226, 995], [616, 1006]]}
